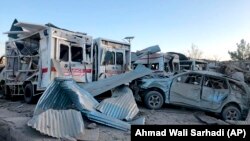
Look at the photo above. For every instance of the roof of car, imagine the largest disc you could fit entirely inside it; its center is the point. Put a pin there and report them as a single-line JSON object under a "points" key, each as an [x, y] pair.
{"points": [[211, 73]]}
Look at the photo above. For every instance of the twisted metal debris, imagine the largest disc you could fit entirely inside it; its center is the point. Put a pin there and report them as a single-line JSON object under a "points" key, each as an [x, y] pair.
{"points": [[121, 106], [103, 85]]}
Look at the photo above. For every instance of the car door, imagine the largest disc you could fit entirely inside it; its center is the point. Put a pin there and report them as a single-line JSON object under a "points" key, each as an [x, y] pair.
{"points": [[119, 61], [77, 66], [214, 91], [107, 67], [63, 58], [186, 89]]}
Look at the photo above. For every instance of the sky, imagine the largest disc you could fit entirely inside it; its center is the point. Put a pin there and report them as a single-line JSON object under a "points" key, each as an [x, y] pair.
{"points": [[214, 26]]}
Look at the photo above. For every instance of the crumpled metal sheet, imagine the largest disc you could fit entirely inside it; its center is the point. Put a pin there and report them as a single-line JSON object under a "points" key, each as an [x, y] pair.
{"points": [[53, 98], [82, 99], [148, 50], [121, 105], [103, 85], [63, 94], [58, 123], [109, 121]]}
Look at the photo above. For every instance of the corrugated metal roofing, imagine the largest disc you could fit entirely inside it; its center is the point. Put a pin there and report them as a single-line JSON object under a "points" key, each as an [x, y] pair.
{"points": [[121, 106], [109, 121], [58, 123], [148, 50], [63, 94], [66, 93], [103, 85]]}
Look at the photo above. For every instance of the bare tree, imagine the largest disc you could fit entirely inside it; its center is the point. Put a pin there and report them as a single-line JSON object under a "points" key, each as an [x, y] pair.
{"points": [[194, 52], [216, 58], [242, 52]]}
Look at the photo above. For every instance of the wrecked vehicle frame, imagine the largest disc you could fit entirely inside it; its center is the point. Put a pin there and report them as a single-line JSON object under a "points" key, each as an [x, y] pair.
{"points": [[203, 90]]}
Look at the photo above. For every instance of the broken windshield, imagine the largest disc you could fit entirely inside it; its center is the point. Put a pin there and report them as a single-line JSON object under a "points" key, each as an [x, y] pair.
{"points": [[109, 58], [119, 58], [76, 54], [64, 53]]}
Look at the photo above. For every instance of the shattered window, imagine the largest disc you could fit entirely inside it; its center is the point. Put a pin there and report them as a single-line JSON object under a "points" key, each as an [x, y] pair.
{"points": [[166, 67], [237, 87], [176, 66], [88, 51], [194, 79], [155, 66], [64, 53], [109, 58], [119, 58], [215, 83], [190, 79], [76, 54]]}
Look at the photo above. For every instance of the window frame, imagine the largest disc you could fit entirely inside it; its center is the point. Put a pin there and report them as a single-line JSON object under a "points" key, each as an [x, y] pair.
{"points": [[60, 55], [116, 58], [81, 53]]}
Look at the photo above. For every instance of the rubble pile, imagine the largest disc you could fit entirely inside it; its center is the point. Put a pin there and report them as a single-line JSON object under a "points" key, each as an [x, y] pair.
{"points": [[58, 110]]}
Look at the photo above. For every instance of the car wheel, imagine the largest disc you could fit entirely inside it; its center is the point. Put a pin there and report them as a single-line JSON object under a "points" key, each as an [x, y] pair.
{"points": [[231, 113], [153, 100], [29, 93]]}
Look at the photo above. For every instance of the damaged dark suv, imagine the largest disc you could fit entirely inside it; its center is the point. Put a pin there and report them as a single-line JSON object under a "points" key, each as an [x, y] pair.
{"points": [[208, 91]]}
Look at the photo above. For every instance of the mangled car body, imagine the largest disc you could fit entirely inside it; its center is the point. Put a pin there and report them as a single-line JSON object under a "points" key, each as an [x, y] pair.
{"points": [[161, 63], [204, 90]]}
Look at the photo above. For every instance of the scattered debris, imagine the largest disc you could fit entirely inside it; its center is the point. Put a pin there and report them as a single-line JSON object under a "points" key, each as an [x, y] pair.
{"points": [[20, 106], [65, 94], [122, 105], [92, 126], [202, 117], [139, 121]]}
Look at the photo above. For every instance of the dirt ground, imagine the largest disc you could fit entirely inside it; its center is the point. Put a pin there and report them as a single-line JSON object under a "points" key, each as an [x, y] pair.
{"points": [[14, 116]]}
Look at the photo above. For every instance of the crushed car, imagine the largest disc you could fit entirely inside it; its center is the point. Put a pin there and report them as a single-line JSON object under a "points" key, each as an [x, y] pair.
{"points": [[204, 90]]}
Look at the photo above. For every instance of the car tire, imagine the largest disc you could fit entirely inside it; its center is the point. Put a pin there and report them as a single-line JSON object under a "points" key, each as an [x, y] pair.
{"points": [[153, 100], [231, 113], [29, 93]]}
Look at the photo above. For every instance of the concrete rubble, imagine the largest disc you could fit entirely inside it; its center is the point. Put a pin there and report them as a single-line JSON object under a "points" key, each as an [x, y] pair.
{"points": [[64, 94]]}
